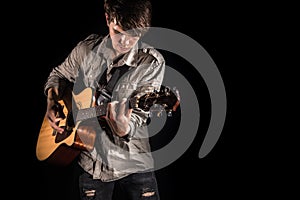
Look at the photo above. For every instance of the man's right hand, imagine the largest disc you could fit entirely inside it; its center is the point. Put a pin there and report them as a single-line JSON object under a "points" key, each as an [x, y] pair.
{"points": [[53, 109]]}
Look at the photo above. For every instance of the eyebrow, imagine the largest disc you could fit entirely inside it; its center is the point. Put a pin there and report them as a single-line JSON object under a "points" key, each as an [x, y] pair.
{"points": [[118, 30], [123, 32]]}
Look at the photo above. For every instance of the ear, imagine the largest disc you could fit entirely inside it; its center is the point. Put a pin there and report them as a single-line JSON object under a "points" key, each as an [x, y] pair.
{"points": [[107, 19]]}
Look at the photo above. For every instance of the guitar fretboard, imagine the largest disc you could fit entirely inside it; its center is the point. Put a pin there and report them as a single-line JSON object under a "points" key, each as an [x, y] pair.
{"points": [[87, 113]]}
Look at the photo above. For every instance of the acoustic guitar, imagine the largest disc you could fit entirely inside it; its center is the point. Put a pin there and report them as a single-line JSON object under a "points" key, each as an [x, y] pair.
{"points": [[62, 149]]}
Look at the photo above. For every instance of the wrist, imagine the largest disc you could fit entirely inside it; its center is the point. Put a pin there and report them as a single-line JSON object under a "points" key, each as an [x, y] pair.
{"points": [[126, 135], [52, 94], [127, 131]]}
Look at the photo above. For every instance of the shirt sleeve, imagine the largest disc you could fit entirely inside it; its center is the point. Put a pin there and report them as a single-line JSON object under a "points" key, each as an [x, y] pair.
{"points": [[151, 78], [65, 73]]}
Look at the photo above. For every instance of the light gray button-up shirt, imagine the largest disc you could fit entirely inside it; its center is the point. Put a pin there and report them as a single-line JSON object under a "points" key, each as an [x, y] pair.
{"points": [[112, 157]]}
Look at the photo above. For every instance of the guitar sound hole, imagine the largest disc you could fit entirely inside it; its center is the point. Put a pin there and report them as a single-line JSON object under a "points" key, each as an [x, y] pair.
{"points": [[60, 137]]}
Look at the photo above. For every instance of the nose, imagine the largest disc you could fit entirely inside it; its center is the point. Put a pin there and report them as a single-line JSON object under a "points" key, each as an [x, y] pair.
{"points": [[124, 40]]}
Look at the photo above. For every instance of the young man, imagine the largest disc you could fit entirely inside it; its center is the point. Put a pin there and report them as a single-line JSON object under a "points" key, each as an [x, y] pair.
{"points": [[114, 67]]}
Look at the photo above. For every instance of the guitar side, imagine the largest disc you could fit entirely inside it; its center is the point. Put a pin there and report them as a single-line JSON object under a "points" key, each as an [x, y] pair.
{"points": [[56, 147]]}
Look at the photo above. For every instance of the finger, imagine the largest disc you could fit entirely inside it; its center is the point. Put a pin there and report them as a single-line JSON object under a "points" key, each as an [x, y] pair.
{"points": [[51, 116], [112, 110], [55, 126], [107, 110], [54, 123], [111, 125], [128, 113], [58, 129], [122, 107], [57, 120]]}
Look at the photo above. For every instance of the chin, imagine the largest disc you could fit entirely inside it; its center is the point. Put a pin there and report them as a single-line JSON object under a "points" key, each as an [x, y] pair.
{"points": [[120, 51]]}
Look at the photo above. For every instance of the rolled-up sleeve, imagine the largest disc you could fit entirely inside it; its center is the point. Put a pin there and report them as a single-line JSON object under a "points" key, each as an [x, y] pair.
{"points": [[151, 78]]}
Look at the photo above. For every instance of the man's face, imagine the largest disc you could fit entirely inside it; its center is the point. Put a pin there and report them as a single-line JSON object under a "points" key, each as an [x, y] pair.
{"points": [[122, 41]]}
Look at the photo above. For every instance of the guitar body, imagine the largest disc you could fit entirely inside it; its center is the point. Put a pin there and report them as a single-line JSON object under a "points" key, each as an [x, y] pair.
{"points": [[62, 149]]}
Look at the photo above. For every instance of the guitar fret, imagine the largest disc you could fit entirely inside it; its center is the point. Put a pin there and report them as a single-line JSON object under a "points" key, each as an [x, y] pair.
{"points": [[88, 113], [85, 113], [101, 110]]}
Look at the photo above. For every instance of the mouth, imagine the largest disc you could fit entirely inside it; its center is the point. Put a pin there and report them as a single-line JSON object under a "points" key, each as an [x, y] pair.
{"points": [[123, 48]]}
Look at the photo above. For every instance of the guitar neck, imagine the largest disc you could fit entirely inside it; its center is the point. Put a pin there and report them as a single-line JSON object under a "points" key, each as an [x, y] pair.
{"points": [[87, 113], [165, 97]]}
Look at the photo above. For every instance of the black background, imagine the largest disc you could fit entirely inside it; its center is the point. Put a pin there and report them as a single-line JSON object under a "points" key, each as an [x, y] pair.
{"points": [[46, 31]]}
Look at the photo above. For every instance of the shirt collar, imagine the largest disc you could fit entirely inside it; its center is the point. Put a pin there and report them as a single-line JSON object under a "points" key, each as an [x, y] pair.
{"points": [[129, 58]]}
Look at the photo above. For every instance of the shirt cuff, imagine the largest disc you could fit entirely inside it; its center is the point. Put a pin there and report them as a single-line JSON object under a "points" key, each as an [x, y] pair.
{"points": [[129, 132]]}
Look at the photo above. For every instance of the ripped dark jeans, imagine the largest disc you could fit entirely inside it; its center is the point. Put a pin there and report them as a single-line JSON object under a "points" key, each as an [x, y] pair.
{"points": [[137, 186]]}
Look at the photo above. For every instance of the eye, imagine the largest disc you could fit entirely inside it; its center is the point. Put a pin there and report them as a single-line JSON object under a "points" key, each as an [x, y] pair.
{"points": [[116, 32]]}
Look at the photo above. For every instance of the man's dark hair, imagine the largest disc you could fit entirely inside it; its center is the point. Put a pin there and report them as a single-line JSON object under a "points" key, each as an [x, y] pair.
{"points": [[129, 14]]}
